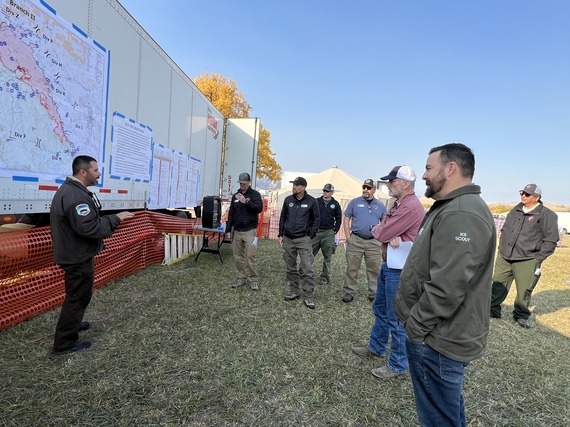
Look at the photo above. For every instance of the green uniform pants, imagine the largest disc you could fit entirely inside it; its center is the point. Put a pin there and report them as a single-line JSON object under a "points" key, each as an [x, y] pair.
{"points": [[324, 240], [299, 277], [522, 272]]}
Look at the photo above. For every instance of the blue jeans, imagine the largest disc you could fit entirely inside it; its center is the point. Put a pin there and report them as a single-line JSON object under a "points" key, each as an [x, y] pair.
{"points": [[386, 322], [438, 382]]}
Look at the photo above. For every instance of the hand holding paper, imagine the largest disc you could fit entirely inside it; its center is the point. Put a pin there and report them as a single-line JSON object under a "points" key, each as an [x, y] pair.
{"points": [[396, 257]]}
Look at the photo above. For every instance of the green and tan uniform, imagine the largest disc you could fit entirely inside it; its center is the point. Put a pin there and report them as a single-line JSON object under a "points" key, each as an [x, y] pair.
{"points": [[330, 221], [527, 239]]}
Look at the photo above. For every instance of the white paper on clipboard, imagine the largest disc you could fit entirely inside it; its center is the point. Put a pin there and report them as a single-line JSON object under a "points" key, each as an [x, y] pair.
{"points": [[396, 257]]}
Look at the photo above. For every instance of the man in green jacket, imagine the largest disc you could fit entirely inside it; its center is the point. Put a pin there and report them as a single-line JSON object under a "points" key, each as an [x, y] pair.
{"points": [[444, 292]]}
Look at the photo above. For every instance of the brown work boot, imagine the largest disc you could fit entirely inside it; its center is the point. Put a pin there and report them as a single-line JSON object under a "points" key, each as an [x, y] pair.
{"points": [[385, 373], [239, 283], [364, 351]]}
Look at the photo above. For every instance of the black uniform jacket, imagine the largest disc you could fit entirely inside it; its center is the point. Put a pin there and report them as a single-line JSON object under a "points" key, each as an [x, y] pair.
{"points": [[299, 218], [331, 214], [77, 229], [245, 216]]}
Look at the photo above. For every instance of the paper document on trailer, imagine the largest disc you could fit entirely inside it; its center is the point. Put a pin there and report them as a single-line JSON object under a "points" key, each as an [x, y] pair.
{"points": [[396, 257]]}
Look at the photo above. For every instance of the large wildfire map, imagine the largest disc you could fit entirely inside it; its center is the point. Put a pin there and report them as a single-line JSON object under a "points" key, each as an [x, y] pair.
{"points": [[53, 91]]}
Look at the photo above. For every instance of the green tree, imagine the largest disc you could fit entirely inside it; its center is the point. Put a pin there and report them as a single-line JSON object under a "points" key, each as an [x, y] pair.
{"points": [[227, 98]]}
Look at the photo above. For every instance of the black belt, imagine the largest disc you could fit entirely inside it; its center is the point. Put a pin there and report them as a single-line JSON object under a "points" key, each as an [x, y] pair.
{"points": [[290, 236], [364, 237], [242, 230]]}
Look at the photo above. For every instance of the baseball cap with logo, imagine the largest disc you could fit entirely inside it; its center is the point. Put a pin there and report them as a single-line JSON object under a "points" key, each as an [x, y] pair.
{"points": [[532, 189], [328, 187], [299, 181], [244, 177], [402, 172], [369, 183]]}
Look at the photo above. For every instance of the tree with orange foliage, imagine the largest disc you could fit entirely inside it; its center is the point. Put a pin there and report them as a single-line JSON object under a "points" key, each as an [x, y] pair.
{"points": [[226, 97]]}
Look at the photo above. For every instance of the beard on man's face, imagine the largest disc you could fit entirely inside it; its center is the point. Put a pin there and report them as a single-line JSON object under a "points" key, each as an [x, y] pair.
{"points": [[435, 185]]}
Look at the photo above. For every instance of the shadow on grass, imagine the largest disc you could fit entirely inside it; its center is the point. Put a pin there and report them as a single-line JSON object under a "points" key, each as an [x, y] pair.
{"points": [[550, 301]]}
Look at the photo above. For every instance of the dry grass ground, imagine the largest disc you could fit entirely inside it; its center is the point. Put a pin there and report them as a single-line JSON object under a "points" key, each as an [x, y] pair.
{"points": [[177, 346]]}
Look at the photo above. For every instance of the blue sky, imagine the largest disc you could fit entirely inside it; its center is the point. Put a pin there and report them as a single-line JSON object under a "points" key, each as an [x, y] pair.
{"points": [[367, 85]]}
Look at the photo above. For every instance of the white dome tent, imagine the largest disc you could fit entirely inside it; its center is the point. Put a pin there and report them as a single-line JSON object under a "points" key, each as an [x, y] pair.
{"points": [[347, 187]]}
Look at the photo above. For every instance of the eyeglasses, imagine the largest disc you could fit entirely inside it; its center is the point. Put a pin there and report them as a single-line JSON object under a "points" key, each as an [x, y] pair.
{"points": [[366, 187], [524, 193], [327, 191]]}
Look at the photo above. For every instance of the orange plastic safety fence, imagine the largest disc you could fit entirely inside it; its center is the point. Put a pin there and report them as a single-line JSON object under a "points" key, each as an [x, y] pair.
{"points": [[30, 283], [261, 218]]}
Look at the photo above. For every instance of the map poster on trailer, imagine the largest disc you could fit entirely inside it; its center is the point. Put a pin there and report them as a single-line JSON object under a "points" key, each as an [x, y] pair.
{"points": [[131, 149], [53, 92]]}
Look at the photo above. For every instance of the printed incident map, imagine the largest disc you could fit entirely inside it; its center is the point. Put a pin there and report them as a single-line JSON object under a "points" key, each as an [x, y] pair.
{"points": [[53, 89]]}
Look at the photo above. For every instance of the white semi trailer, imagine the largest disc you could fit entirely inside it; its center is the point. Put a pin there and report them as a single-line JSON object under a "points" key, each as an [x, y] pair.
{"points": [[83, 77]]}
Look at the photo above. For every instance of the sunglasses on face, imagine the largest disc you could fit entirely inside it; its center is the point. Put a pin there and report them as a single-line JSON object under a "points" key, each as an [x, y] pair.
{"points": [[365, 187], [524, 193]]}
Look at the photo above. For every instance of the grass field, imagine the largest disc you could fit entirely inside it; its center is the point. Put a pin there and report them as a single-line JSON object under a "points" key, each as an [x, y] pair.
{"points": [[177, 346]]}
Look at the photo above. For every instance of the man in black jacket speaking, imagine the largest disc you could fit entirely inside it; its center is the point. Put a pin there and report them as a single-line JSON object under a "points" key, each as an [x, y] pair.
{"points": [[298, 224], [77, 231], [243, 219]]}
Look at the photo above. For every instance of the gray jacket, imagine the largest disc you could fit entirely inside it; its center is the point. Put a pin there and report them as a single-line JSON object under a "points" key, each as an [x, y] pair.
{"points": [[529, 235], [445, 287]]}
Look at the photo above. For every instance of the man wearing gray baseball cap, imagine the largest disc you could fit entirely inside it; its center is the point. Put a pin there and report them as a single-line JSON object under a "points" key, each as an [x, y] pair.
{"points": [[529, 236], [330, 222]]}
